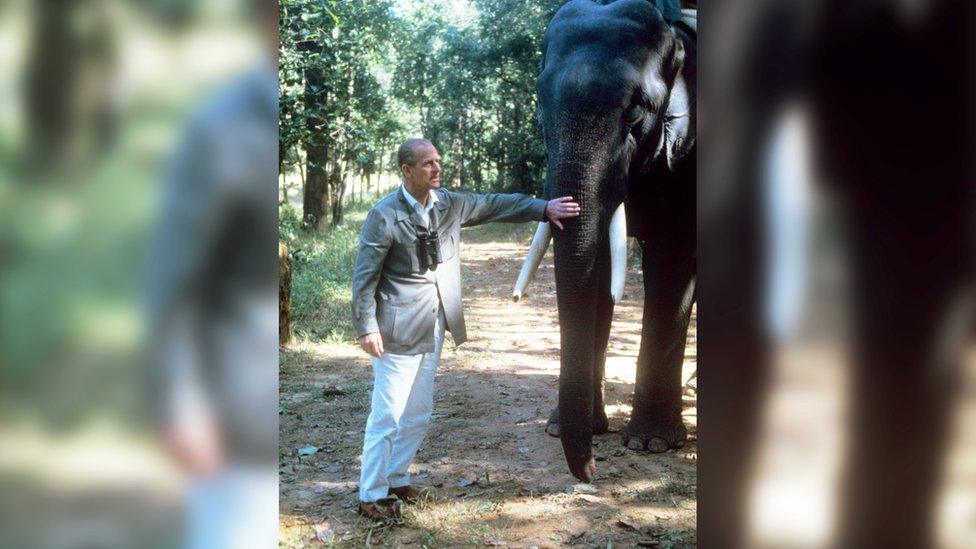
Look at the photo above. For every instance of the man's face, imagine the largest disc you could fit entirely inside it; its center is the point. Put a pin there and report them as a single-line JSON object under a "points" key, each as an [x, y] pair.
{"points": [[426, 173]]}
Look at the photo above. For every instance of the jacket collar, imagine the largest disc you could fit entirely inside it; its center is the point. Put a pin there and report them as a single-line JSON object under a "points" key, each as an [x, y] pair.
{"points": [[404, 210]]}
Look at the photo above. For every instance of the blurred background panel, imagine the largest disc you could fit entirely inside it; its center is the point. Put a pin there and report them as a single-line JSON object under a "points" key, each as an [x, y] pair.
{"points": [[836, 259], [96, 97]]}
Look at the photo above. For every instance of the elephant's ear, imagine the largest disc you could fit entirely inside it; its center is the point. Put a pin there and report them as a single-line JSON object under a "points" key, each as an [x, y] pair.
{"points": [[679, 115]]}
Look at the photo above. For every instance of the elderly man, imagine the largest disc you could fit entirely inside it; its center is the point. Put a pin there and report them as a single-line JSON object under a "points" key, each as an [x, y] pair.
{"points": [[406, 292]]}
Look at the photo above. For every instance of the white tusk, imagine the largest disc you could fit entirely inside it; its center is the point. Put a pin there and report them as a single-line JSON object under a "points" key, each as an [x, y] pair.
{"points": [[540, 243], [618, 253]]}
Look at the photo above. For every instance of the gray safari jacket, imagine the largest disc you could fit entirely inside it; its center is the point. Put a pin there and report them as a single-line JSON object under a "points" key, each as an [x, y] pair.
{"points": [[389, 293]]}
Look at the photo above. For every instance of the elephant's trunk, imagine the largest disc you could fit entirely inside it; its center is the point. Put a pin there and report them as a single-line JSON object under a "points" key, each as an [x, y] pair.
{"points": [[582, 261]]}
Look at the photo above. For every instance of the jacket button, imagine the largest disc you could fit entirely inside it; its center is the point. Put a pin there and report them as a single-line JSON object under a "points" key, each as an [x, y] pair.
{"points": [[434, 311]]}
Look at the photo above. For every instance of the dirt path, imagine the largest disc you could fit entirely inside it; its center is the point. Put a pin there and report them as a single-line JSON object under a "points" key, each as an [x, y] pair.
{"points": [[500, 480]]}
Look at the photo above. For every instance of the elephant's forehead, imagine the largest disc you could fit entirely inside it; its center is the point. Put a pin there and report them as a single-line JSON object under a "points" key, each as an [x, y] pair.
{"points": [[604, 75], [593, 80]]}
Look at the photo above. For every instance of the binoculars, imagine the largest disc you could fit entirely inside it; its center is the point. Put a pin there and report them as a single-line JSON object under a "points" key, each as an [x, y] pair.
{"points": [[428, 250]]}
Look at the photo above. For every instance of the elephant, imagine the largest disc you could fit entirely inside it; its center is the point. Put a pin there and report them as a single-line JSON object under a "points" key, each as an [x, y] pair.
{"points": [[616, 105]]}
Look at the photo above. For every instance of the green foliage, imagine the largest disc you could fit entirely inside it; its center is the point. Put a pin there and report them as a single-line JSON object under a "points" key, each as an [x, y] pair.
{"points": [[322, 274]]}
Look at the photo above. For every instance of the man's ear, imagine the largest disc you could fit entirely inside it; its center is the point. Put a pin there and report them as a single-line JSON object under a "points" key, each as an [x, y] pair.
{"points": [[679, 115]]}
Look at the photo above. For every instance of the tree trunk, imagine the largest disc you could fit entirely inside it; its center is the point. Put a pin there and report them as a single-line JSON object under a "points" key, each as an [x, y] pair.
{"points": [[51, 80], [284, 295], [301, 164], [315, 191], [338, 191]]}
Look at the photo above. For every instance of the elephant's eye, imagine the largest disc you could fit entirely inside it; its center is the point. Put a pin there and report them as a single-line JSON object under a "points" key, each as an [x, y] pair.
{"points": [[634, 115], [635, 111]]}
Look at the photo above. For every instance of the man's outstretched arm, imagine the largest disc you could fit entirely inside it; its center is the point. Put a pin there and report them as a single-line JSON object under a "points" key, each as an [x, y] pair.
{"points": [[518, 208]]}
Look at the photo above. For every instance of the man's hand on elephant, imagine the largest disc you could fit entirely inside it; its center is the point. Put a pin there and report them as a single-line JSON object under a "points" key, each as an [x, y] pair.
{"points": [[561, 208], [372, 343]]}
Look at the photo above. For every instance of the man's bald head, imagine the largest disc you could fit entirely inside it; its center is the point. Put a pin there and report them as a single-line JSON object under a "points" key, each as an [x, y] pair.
{"points": [[409, 152]]}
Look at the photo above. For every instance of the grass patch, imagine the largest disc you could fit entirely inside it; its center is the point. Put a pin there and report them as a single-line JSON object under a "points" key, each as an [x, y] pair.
{"points": [[674, 538], [452, 522], [322, 273]]}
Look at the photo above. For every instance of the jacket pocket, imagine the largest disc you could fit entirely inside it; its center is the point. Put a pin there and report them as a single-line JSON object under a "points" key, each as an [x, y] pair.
{"points": [[414, 322], [386, 318], [449, 247]]}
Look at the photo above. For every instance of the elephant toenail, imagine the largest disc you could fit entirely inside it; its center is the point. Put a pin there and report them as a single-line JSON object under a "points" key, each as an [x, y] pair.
{"points": [[552, 430], [635, 443], [657, 445]]}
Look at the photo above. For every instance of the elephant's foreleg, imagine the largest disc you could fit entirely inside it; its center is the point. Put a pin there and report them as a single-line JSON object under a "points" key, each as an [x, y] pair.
{"points": [[669, 290]]}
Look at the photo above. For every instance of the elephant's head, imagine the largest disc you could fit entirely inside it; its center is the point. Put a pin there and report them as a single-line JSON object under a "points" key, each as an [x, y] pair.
{"points": [[615, 100]]}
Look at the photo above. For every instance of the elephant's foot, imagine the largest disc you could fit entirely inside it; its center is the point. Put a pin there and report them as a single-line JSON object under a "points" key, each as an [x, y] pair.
{"points": [[655, 432], [601, 425]]}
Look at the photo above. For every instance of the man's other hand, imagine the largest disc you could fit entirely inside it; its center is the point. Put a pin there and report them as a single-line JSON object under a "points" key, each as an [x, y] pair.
{"points": [[372, 343], [561, 208]]}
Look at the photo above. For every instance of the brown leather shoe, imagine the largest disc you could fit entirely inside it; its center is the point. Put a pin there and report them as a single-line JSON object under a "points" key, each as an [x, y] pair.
{"points": [[411, 494], [381, 510]]}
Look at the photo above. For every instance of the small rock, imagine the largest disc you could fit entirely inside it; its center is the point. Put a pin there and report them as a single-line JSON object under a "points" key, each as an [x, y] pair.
{"points": [[648, 543], [589, 498], [324, 532], [307, 450], [465, 482], [582, 488], [496, 543], [332, 391], [626, 523]]}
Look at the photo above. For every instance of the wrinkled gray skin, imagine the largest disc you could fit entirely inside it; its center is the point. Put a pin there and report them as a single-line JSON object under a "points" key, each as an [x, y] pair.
{"points": [[617, 110]]}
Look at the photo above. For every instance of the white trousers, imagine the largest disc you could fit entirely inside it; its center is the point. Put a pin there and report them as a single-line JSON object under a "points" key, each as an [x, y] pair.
{"points": [[403, 399]]}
